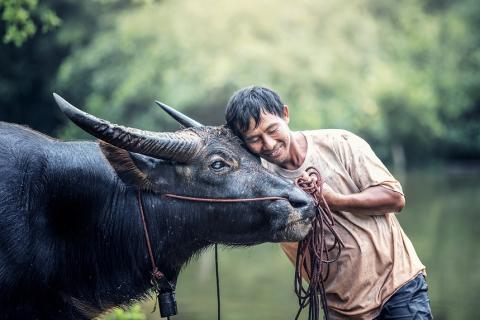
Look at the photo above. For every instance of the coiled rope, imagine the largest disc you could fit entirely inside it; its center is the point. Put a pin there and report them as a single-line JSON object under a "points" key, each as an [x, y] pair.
{"points": [[313, 251]]}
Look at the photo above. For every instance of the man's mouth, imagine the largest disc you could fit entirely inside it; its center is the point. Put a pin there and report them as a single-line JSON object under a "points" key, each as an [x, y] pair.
{"points": [[273, 154]]}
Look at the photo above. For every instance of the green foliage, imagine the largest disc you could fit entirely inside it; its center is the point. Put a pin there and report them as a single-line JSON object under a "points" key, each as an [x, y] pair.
{"points": [[401, 74], [29, 70], [395, 73], [188, 56], [133, 313], [23, 17]]}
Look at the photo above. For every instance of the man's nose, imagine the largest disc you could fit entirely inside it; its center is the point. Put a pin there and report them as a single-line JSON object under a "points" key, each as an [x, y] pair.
{"points": [[268, 143]]}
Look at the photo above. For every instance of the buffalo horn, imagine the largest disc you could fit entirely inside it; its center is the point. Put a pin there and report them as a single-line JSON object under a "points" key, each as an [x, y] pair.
{"points": [[178, 116], [179, 146]]}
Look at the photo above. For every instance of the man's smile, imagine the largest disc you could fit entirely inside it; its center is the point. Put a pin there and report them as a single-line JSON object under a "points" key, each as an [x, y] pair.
{"points": [[275, 153]]}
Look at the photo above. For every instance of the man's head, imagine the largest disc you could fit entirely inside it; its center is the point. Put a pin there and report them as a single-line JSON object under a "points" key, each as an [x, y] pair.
{"points": [[259, 117]]}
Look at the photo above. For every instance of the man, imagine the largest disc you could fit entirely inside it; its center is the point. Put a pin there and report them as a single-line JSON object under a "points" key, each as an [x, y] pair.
{"points": [[378, 274]]}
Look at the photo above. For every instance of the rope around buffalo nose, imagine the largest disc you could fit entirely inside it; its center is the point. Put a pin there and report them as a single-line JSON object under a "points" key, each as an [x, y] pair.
{"points": [[313, 251]]}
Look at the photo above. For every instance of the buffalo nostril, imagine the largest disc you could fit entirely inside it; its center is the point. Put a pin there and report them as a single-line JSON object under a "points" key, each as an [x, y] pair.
{"points": [[298, 202]]}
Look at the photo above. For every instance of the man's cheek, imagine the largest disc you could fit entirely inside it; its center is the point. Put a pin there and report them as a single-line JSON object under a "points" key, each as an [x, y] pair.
{"points": [[253, 148]]}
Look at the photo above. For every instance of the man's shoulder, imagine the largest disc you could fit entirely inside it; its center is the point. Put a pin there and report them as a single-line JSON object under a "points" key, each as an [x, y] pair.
{"points": [[338, 141], [328, 132], [331, 136]]}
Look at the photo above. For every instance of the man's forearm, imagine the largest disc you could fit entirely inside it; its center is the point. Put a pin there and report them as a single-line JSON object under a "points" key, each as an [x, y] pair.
{"points": [[375, 200]]}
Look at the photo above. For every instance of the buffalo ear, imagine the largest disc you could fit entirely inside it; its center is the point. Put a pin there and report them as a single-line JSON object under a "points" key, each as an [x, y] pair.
{"points": [[132, 168]]}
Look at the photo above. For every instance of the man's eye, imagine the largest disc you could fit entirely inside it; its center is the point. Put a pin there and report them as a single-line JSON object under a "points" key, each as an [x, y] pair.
{"points": [[273, 130], [217, 165]]}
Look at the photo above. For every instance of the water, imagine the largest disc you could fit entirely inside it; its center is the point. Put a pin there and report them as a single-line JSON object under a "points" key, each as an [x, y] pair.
{"points": [[442, 218]]}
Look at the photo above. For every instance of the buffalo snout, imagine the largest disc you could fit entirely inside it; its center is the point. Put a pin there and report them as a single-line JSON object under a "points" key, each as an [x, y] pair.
{"points": [[291, 221], [299, 199]]}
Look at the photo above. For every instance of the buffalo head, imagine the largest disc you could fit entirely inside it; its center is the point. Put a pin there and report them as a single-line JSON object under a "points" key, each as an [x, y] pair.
{"points": [[207, 162]]}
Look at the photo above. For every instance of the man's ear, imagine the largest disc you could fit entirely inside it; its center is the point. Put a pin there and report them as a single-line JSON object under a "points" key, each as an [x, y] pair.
{"points": [[135, 169], [285, 114]]}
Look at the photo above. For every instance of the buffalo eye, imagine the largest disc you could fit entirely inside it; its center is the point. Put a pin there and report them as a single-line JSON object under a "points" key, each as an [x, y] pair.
{"points": [[218, 165]]}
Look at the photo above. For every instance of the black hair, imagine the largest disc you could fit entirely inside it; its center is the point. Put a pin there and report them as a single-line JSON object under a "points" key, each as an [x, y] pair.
{"points": [[248, 103]]}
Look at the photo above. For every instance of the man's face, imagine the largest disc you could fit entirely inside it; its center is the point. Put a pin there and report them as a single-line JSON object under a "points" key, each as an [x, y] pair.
{"points": [[271, 139]]}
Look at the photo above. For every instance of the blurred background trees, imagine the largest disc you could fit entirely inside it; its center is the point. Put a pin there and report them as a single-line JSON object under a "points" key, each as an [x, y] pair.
{"points": [[405, 75]]}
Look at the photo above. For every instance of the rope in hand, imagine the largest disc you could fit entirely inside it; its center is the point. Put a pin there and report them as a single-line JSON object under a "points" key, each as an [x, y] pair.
{"points": [[313, 251]]}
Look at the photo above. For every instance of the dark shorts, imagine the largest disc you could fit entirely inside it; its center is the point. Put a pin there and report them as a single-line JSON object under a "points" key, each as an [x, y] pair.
{"points": [[409, 302]]}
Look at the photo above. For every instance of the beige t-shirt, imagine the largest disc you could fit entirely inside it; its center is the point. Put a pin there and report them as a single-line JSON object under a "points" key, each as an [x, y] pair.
{"points": [[378, 257]]}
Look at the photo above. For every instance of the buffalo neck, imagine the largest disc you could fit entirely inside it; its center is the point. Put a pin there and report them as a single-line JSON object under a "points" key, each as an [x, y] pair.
{"points": [[99, 220]]}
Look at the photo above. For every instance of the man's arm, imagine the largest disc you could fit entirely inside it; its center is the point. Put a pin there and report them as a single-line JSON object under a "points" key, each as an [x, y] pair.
{"points": [[376, 200]]}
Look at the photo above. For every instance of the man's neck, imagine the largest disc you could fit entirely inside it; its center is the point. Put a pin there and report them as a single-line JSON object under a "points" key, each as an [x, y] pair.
{"points": [[298, 151]]}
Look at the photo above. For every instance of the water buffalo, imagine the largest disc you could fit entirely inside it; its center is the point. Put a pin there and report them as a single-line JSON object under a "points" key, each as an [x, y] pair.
{"points": [[72, 243]]}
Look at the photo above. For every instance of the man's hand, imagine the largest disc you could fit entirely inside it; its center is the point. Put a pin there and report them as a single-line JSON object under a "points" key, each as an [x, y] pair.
{"points": [[329, 195]]}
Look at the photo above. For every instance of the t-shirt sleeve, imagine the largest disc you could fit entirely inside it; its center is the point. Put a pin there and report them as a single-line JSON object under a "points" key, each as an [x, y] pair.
{"points": [[364, 167]]}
